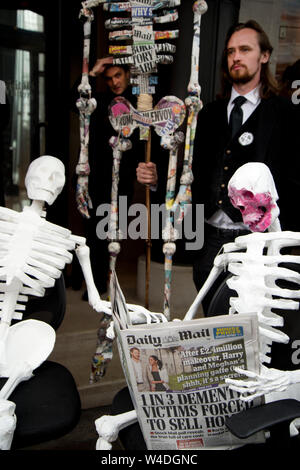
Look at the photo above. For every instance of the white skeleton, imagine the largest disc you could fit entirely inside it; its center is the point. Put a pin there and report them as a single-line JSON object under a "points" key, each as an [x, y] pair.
{"points": [[33, 253], [253, 191]]}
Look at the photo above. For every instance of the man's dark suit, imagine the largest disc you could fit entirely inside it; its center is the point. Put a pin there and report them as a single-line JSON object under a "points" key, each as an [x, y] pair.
{"points": [[273, 126]]}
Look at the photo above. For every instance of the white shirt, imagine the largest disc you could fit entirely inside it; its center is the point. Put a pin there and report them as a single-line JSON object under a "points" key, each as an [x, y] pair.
{"points": [[220, 219], [253, 100]]}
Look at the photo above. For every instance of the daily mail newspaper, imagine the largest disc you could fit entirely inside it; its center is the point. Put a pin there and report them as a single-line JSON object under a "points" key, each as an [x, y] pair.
{"points": [[176, 374]]}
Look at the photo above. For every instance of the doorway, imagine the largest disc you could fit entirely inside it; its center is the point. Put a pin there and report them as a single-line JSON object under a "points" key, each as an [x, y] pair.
{"points": [[22, 68]]}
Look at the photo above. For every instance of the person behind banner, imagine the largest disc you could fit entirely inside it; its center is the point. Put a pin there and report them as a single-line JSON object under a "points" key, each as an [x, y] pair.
{"points": [[157, 374]]}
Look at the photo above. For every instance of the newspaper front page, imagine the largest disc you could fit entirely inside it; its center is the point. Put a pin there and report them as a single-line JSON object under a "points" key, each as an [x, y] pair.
{"points": [[176, 375]]}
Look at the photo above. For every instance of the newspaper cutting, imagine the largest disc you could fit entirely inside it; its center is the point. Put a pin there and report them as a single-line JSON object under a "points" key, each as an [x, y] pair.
{"points": [[176, 374]]}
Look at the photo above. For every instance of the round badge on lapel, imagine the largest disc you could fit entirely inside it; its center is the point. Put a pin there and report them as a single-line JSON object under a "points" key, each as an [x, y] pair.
{"points": [[246, 138]]}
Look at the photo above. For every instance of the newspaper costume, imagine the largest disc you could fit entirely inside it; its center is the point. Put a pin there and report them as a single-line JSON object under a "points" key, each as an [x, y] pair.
{"points": [[127, 118], [142, 57]]}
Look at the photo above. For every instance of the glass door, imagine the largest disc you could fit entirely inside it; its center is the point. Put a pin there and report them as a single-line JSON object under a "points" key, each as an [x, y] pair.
{"points": [[22, 61]]}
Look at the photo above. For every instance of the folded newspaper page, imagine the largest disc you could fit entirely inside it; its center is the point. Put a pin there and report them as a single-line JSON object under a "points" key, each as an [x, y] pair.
{"points": [[176, 374]]}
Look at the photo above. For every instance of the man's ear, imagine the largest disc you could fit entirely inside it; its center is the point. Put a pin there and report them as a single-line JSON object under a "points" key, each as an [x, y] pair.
{"points": [[265, 57]]}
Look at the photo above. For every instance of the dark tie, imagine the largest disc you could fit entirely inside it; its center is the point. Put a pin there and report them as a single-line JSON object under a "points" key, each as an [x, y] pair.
{"points": [[236, 115]]}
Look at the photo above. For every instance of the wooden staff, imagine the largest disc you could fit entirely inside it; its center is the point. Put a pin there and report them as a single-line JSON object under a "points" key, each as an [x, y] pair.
{"points": [[148, 241], [145, 103]]}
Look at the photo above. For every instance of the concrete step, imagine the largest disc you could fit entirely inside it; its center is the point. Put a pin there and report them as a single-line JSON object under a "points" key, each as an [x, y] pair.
{"points": [[76, 342]]}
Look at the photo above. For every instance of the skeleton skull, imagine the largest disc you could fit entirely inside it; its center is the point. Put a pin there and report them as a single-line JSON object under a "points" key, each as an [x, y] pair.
{"points": [[252, 190], [45, 179]]}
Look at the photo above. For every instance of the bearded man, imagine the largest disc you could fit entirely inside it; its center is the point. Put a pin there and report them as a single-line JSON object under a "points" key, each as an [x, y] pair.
{"points": [[249, 122]]}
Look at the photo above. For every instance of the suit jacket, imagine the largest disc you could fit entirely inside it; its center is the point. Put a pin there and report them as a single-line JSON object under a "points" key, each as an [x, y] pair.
{"points": [[273, 126]]}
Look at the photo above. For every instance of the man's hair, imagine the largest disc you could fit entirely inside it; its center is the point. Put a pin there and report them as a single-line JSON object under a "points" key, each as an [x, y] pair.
{"points": [[269, 85], [125, 67], [291, 73]]}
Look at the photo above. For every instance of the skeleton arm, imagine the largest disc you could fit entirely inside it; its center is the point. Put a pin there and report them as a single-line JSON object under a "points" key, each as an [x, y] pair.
{"points": [[220, 262], [86, 106], [83, 255]]}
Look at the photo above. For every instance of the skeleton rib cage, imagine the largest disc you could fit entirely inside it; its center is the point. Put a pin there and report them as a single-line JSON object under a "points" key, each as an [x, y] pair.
{"points": [[33, 252], [254, 280]]}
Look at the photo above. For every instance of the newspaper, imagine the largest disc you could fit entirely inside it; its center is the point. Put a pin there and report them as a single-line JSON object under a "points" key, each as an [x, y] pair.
{"points": [[176, 374]]}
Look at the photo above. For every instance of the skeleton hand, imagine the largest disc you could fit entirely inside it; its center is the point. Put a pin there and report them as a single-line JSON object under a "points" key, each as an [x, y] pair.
{"points": [[139, 314], [269, 380], [99, 305], [7, 423], [83, 199], [108, 428], [102, 444]]}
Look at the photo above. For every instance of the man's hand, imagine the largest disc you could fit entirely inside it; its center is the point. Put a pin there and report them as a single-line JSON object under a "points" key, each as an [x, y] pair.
{"points": [[100, 66], [146, 173]]}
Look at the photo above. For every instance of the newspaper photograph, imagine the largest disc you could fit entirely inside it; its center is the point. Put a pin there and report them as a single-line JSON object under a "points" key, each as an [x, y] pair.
{"points": [[176, 375]]}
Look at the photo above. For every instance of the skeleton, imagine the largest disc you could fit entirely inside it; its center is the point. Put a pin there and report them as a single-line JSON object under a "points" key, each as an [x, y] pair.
{"points": [[253, 191], [142, 56], [121, 112], [33, 252], [143, 59]]}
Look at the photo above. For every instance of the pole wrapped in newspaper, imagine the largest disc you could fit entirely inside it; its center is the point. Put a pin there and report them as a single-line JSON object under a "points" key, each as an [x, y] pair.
{"points": [[86, 105], [177, 381]]}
